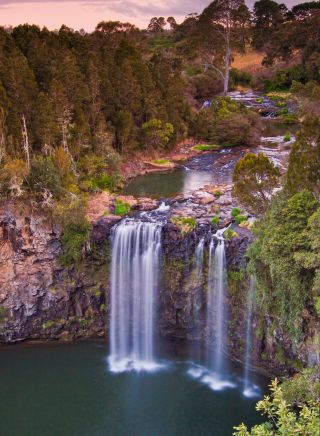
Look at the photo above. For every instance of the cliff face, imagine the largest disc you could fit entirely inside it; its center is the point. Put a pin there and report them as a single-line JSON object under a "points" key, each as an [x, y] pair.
{"points": [[41, 299]]}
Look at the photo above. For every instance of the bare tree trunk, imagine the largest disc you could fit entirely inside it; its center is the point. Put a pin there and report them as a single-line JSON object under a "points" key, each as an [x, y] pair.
{"points": [[2, 139], [227, 72], [228, 55], [25, 140]]}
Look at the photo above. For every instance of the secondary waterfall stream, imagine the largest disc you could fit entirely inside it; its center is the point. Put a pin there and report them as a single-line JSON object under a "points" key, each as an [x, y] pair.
{"points": [[215, 302], [249, 389], [136, 248]]}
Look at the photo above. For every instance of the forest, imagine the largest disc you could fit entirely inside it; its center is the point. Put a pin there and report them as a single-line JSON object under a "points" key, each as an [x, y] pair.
{"points": [[79, 110]]}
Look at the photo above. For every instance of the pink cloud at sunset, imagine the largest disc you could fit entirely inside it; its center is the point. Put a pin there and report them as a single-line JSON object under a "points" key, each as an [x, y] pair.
{"points": [[87, 13]]}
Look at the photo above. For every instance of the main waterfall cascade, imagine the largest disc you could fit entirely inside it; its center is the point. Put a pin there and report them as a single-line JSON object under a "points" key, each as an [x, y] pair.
{"points": [[136, 249]]}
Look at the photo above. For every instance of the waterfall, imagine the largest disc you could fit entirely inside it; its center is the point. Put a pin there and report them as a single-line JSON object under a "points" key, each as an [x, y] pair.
{"points": [[136, 249], [249, 389], [215, 302]]}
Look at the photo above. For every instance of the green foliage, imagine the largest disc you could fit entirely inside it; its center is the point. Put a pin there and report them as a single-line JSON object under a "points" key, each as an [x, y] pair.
{"points": [[255, 179], [121, 208], [226, 122], [156, 133], [240, 77], [186, 224], [215, 220], [284, 78], [3, 314], [98, 172], [287, 137], [303, 388], [235, 212], [304, 160], [240, 219], [44, 176], [71, 217], [162, 162], [282, 418], [230, 234], [206, 147], [285, 257], [13, 175], [217, 193]]}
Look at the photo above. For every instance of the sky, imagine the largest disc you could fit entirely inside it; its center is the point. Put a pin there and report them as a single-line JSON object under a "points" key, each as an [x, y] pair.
{"points": [[85, 14]]}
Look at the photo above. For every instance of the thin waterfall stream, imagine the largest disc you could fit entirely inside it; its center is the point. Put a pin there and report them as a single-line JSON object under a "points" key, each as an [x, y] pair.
{"points": [[249, 389], [136, 249]]}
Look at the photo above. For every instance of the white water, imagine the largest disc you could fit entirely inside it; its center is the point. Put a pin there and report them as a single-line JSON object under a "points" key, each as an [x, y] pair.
{"points": [[215, 303], [249, 389], [136, 248]]}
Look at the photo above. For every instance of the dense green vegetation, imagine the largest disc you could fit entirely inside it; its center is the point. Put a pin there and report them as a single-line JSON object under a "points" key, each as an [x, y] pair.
{"points": [[282, 418]]}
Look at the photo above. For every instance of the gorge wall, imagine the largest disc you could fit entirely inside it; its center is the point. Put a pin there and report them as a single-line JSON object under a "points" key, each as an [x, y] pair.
{"points": [[41, 299]]}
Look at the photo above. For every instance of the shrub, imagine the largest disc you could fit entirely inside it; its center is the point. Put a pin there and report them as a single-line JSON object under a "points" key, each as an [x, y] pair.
{"points": [[99, 172], [240, 219], [215, 220], [156, 133], [71, 217], [12, 177], [226, 122], [121, 208], [230, 234], [217, 193], [282, 418], [44, 176], [287, 137], [235, 212], [186, 224]]}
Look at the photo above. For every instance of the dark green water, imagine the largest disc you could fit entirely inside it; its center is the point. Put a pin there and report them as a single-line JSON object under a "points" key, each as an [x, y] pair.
{"points": [[67, 390]]}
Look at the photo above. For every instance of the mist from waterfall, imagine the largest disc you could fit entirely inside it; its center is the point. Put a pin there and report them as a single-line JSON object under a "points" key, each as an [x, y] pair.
{"points": [[215, 303], [136, 250]]}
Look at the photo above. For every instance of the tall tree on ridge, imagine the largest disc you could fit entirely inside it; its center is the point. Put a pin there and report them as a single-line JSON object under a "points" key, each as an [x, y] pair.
{"points": [[225, 23]]}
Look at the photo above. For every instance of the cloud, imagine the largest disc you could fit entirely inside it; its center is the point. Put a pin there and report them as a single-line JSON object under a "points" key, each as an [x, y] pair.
{"points": [[128, 7]]}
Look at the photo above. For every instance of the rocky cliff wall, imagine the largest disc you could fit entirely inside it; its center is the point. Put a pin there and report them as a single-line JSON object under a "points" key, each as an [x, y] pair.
{"points": [[42, 300]]}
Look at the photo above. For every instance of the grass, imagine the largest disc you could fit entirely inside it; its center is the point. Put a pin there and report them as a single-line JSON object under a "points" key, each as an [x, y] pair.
{"points": [[121, 208], [205, 147], [186, 224], [162, 162], [215, 221]]}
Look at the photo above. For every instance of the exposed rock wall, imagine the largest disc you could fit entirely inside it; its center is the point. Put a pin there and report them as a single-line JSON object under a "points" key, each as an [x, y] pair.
{"points": [[39, 299]]}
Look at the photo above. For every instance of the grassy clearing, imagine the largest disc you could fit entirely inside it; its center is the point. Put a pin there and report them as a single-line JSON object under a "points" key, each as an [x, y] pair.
{"points": [[162, 162], [205, 147]]}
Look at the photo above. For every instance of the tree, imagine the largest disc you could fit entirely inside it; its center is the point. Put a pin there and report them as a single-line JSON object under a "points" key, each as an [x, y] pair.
{"points": [[125, 131], [172, 22], [157, 25], [255, 178], [304, 160], [225, 23], [156, 133], [282, 419], [268, 16]]}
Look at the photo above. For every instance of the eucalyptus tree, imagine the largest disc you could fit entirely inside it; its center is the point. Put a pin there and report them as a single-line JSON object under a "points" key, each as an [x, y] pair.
{"points": [[223, 27]]}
